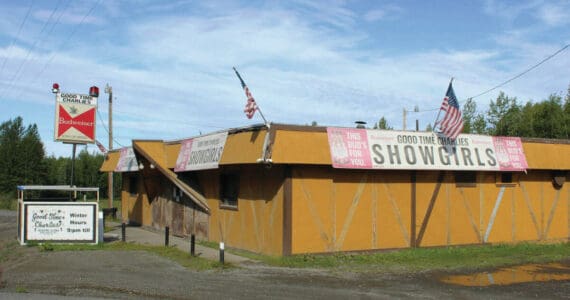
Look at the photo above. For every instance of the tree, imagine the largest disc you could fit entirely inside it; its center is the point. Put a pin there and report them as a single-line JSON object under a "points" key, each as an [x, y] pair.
{"points": [[503, 116], [382, 124], [549, 118], [21, 155], [473, 122]]}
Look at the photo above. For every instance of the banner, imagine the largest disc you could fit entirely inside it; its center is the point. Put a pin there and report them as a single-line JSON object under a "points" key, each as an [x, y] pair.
{"points": [[201, 153], [127, 161], [353, 148], [75, 118], [60, 222]]}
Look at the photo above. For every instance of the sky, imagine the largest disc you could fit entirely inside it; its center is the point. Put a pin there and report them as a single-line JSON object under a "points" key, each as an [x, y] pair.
{"points": [[169, 63]]}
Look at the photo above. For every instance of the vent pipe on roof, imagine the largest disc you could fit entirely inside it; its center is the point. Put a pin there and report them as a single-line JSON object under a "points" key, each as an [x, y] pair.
{"points": [[360, 124]]}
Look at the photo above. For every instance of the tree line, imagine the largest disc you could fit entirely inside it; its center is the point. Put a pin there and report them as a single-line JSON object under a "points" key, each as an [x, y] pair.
{"points": [[23, 162], [506, 116]]}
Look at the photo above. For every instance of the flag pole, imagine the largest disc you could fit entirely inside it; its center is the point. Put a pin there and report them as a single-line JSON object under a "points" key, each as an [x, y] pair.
{"points": [[439, 112], [243, 86]]}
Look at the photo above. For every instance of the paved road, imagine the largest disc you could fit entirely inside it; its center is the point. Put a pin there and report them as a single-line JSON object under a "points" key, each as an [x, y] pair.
{"points": [[141, 275]]}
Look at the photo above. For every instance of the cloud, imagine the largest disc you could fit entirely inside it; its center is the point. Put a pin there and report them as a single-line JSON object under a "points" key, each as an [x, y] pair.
{"points": [[387, 12], [554, 14], [172, 78]]}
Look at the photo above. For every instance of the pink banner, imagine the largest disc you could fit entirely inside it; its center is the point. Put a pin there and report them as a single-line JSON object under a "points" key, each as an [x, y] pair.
{"points": [[509, 153], [349, 148]]}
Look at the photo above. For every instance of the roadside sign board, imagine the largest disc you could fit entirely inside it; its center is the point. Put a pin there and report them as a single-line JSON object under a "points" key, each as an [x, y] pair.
{"points": [[201, 153], [68, 222], [75, 118]]}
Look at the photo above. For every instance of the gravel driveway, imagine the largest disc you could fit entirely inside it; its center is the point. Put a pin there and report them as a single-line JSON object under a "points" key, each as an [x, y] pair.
{"points": [[142, 275]]}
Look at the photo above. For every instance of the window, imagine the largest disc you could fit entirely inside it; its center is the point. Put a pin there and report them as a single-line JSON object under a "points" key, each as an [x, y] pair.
{"points": [[466, 179], [506, 179], [133, 185], [229, 190]]}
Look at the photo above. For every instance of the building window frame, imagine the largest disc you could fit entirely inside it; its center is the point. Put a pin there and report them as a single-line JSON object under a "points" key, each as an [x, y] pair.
{"points": [[229, 190], [506, 179], [465, 178], [133, 186]]}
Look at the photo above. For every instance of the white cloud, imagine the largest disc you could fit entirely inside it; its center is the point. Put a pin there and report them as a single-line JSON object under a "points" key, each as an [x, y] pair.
{"points": [[387, 12], [172, 76], [555, 15]]}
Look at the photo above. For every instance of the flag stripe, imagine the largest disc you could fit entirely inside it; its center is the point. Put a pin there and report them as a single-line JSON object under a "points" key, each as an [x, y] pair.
{"points": [[250, 105], [452, 123]]}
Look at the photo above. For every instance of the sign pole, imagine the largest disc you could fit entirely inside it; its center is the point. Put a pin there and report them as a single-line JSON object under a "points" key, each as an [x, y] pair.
{"points": [[72, 170], [109, 90]]}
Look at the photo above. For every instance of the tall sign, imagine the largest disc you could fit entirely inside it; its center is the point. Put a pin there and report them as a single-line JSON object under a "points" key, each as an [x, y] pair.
{"points": [[382, 149], [75, 118]]}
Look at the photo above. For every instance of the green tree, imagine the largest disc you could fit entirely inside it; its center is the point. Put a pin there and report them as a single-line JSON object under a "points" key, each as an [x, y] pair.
{"points": [[382, 124], [549, 118], [473, 122], [503, 116], [21, 155]]}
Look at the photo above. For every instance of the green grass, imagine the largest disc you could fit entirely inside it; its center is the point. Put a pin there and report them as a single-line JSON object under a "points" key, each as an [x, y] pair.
{"points": [[425, 259], [8, 201], [104, 203], [171, 253]]}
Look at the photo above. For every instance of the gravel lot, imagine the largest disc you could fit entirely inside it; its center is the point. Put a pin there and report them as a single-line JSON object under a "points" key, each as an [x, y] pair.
{"points": [[141, 275]]}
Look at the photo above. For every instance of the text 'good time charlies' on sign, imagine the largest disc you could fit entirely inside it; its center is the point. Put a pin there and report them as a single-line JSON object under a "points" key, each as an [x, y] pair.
{"points": [[381, 149], [75, 118]]}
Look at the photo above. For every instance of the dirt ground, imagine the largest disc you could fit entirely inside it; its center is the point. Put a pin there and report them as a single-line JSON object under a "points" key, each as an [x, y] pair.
{"points": [[141, 275]]}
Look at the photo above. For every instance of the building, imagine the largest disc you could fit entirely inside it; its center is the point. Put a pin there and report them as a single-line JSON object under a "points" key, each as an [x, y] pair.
{"points": [[290, 189]]}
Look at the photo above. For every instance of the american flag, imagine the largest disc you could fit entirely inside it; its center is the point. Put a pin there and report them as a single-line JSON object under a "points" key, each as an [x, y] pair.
{"points": [[101, 147], [250, 106], [452, 123]]}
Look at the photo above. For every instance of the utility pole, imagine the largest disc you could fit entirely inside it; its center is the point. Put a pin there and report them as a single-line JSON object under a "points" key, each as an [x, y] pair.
{"points": [[404, 123], [109, 90]]}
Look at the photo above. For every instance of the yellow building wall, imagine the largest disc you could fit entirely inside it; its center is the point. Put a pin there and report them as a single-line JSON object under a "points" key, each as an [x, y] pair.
{"points": [[257, 223], [135, 208], [347, 210], [344, 210]]}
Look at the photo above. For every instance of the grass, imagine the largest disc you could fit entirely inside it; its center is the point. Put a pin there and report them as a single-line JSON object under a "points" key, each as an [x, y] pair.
{"points": [[8, 201], [425, 259], [171, 253]]}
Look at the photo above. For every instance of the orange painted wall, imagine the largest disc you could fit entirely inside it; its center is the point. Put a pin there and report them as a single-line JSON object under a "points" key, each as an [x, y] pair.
{"points": [[135, 208], [345, 210], [256, 225]]}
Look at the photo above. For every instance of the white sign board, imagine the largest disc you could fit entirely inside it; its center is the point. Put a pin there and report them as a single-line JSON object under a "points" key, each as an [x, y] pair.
{"points": [[75, 118], [127, 161], [60, 222], [201, 153], [386, 149]]}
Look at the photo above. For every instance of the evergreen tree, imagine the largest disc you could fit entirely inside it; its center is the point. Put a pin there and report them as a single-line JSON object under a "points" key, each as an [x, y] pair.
{"points": [[21, 155], [382, 124]]}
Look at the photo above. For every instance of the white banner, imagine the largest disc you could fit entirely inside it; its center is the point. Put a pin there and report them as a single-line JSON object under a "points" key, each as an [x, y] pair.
{"points": [[60, 222], [385, 149], [201, 153], [127, 161]]}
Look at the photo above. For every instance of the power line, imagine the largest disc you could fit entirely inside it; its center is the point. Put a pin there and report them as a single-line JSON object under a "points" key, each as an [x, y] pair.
{"points": [[17, 35], [105, 127], [522, 73], [75, 28], [25, 60]]}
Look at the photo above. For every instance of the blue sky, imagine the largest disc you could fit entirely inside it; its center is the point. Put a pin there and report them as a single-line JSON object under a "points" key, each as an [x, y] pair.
{"points": [[334, 62]]}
